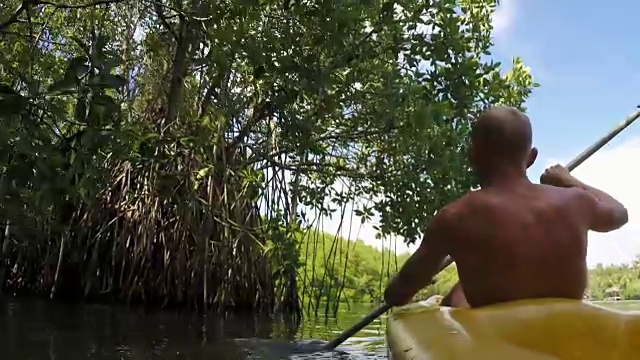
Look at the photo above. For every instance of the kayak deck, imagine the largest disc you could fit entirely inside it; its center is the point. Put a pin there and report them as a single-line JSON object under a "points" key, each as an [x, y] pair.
{"points": [[521, 330]]}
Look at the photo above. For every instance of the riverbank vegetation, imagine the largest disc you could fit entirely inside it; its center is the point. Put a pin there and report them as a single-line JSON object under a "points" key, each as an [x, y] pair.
{"points": [[180, 152], [615, 281], [368, 269]]}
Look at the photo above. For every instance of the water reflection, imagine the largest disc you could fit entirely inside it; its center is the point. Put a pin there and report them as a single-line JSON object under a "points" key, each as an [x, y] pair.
{"points": [[43, 330], [38, 329]]}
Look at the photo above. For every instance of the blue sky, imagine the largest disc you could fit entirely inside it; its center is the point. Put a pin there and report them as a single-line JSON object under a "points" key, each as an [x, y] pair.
{"points": [[587, 59]]}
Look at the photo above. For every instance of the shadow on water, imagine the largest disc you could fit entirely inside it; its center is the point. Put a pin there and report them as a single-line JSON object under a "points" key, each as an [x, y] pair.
{"points": [[37, 329]]}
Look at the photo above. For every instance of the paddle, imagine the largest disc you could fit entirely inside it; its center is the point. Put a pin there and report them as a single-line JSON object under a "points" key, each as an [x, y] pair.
{"points": [[603, 141], [448, 260], [370, 317]]}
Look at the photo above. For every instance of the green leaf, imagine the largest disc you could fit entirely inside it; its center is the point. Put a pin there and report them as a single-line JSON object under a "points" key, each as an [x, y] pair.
{"points": [[204, 172], [84, 46], [65, 86], [109, 81], [105, 101], [77, 67], [11, 102]]}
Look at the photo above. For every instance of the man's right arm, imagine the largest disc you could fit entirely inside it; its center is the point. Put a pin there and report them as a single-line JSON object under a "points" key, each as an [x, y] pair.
{"points": [[608, 214], [605, 213]]}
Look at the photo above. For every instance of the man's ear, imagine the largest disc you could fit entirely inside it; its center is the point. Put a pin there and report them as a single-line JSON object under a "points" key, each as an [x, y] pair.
{"points": [[533, 155]]}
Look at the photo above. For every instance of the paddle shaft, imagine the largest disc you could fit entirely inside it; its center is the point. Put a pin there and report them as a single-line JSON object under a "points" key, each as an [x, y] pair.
{"points": [[603, 141], [369, 318], [357, 327], [448, 260]]}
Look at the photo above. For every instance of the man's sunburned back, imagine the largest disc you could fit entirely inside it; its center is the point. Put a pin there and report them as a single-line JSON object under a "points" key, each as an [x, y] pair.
{"points": [[520, 241], [512, 239]]}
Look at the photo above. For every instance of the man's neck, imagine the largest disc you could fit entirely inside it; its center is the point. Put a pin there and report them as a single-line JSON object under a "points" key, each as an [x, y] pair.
{"points": [[504, 176]]}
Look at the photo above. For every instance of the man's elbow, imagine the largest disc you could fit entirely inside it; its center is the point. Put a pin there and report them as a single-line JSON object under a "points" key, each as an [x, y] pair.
{"points": [[622, 217], [617, 218]]}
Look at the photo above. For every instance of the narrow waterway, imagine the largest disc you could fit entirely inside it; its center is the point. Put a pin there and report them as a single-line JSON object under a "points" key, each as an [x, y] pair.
{"points": [[36, 329]]}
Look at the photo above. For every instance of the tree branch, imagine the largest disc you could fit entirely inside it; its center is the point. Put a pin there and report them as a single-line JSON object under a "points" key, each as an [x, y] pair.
{"points": [[163, 19], [26, 4], [264, 110], [14, 18], [79, 6]]}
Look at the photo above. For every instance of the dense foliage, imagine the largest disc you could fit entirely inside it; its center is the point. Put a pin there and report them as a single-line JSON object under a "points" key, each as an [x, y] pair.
{"points": [[176, 152], [615, 280]]}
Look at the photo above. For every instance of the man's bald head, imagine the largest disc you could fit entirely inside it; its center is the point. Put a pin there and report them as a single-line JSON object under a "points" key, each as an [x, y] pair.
{"points": [[502, 135]]}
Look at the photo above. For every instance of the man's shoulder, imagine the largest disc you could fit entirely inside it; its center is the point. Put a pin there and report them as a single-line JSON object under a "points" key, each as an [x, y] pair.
{"points": [[491, 198], [459, 207], [451, 218], [471, 198]]}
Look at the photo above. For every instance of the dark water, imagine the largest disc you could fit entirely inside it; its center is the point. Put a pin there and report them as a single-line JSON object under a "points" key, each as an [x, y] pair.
{"points": [[38, 329]]}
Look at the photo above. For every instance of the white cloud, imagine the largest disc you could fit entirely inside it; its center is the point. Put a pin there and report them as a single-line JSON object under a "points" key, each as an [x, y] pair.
{"points": [[503, 18], [611, 170]]}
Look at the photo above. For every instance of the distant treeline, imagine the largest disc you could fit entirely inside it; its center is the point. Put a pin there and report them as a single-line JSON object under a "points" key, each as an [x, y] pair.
{"points": [[337, 270]]}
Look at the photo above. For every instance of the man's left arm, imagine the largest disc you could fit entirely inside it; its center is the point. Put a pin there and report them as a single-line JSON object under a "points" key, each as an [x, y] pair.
{"points": [[423, 264]]}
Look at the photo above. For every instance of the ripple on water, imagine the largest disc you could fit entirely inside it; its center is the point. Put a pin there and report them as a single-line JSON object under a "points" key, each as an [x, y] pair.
{"points": [[40, 329], [267, 349]]}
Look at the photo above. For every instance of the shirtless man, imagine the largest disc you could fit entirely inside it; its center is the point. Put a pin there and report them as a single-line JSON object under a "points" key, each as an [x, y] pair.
{"points": [[511, 239]]}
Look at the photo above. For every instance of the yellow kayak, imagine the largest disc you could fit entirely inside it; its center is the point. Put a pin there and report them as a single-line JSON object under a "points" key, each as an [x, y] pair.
{"points": [[521, 330]]}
